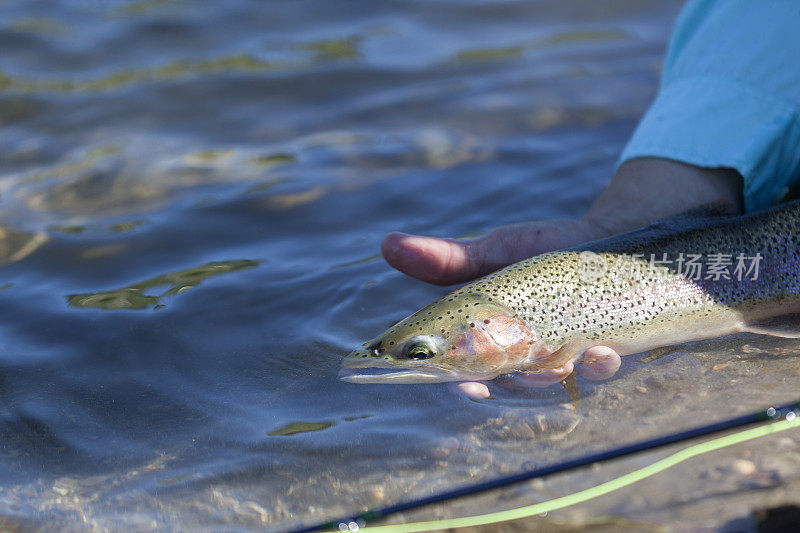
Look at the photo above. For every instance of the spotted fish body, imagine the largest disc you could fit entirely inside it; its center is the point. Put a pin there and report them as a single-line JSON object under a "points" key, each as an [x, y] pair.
{"points": [[698, 275]]}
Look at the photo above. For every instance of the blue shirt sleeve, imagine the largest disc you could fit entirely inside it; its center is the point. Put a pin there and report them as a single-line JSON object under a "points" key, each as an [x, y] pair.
{"points": [[730, 95]]}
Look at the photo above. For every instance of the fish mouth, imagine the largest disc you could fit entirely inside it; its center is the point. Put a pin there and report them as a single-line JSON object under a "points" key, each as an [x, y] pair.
{"points": [[394, 375]]}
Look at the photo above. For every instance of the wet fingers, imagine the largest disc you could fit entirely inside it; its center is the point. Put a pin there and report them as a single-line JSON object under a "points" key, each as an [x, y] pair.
{"points": [[598, 363], [474, 390]]}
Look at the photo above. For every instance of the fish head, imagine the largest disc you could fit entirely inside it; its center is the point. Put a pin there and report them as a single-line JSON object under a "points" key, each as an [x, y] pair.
{"points": [[463, 336]]}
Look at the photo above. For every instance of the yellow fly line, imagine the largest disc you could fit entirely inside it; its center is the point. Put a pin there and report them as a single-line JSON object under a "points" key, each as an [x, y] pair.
{"points": [[790, 422]]}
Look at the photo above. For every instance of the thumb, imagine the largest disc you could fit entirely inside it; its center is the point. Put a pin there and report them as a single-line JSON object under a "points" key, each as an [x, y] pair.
{"points": [[449, 261], [435, 260]]}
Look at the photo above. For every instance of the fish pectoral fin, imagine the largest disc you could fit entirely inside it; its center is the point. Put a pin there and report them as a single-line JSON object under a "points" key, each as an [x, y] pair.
{"points": [[570, 384], [785, 326], [557, 359]]}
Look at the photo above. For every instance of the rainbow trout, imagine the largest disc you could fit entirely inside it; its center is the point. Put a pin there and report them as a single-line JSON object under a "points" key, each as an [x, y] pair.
{"points": [[698, 275]]}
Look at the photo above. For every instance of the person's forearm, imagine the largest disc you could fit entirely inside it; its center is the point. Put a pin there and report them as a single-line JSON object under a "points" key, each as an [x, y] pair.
{"points": [[648, 188], [729, 96]]}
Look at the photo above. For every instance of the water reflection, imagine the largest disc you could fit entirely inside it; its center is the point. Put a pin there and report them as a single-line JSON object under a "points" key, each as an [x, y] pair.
{"points": [[16, 245], [133, 297], [555, 39]]}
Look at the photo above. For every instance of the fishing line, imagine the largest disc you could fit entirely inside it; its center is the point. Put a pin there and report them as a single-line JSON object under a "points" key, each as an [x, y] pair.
{"points": [[788, 412], [593, 492]]}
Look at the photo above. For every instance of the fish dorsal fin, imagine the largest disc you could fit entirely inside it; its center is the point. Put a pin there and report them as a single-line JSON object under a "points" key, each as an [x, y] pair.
{"points": [[696, 216], [711, 209]]}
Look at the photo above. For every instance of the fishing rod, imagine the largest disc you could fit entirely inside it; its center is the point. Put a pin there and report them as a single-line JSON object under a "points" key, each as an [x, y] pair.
{"points": [[788, 412]]}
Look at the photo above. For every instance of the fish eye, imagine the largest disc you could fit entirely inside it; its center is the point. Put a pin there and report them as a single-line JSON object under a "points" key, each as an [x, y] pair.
{"points": [[419, 350]]}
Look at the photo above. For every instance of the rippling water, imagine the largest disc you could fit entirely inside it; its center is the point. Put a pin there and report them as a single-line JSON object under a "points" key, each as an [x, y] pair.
{"points": [[192, 196]]}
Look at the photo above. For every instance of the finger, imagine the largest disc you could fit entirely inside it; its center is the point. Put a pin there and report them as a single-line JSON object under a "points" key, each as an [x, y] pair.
{"points": [[598, 363], [474, 389], [439, 261], [449, 261]]}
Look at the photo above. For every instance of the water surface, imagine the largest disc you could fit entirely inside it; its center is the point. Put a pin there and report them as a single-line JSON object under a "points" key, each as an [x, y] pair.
{"points": [[192, 195]]}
